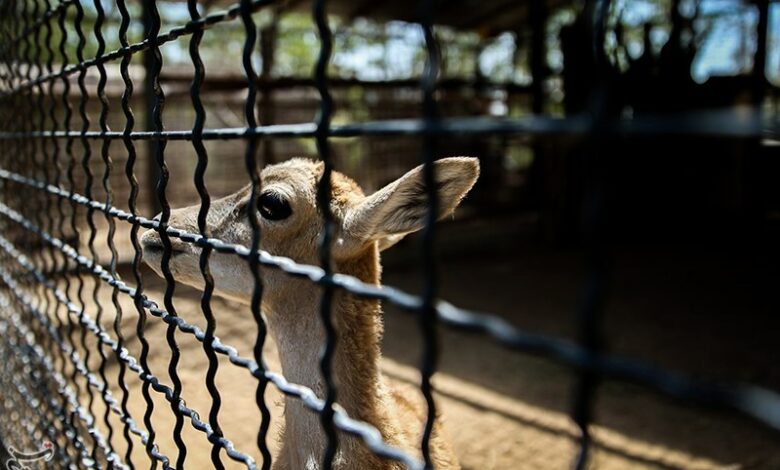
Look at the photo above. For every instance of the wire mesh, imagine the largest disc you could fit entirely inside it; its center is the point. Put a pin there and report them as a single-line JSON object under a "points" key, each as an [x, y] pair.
{"points": [[49, 336]]}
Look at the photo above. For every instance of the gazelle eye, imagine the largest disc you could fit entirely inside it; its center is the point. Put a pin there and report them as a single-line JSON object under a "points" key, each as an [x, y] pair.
{"points": [[272, 206]]}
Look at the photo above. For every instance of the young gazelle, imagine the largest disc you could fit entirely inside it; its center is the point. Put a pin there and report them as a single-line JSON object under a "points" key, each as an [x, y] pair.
{"points": [[290, 225]]}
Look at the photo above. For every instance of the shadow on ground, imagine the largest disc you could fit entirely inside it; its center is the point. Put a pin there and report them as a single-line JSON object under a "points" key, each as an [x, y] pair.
{"points": [[704, 310], [710, 311]]}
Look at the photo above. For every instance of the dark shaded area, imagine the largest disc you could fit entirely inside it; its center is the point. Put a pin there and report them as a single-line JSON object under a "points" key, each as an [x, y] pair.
{"points": [[704, 308], [663, 187]]}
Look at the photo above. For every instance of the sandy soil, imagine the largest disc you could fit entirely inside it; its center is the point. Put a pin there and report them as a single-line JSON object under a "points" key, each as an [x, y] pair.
{"points": [[706, 313]]}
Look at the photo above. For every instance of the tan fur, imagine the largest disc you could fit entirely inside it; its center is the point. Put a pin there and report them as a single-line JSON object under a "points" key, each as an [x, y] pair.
{"points": [[363, 226]]}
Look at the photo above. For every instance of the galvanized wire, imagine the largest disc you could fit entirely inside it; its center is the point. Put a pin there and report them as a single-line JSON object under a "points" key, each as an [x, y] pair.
{"points": [[53, 332], [324, 189], [156, 41], [65, 392], [33, 166], [33, 28], [42, 394], [759, 403], [724, 123], [427, 318], [208, 280], [122, 354], [250, 30], [589, 313], [69, 177], [155, 63], [94, 381], [367, 433], [44, 214]]}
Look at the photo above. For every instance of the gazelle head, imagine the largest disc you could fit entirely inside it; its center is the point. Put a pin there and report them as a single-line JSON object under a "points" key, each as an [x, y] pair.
{"points": [[291, 222]]}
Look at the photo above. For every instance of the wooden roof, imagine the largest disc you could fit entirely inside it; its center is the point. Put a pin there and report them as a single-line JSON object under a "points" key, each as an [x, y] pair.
{"points": [[488, 17]]}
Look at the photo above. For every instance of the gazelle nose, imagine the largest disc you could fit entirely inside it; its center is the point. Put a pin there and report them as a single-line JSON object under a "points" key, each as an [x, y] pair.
{"points": [[150, 239], [153, 244]]}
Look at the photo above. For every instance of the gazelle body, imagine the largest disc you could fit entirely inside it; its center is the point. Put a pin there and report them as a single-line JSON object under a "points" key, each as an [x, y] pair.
{"points": [[291, 224]]}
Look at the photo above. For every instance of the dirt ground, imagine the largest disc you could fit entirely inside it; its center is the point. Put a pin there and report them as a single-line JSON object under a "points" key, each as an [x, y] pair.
{"points": [[711, 312]]}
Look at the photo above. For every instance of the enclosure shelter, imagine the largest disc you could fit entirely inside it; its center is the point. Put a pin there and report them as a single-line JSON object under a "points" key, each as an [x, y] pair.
{"points": [[604, 298]]}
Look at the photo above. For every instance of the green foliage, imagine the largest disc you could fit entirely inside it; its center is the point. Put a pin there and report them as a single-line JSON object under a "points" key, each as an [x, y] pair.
{"points": [[363, 49]]}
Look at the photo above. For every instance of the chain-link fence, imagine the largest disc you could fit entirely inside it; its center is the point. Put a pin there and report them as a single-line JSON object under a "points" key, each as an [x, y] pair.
{"points": [[56, 341]]}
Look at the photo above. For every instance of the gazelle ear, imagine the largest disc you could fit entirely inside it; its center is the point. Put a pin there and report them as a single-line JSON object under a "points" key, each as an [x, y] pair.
{"points": [[401, 207]]}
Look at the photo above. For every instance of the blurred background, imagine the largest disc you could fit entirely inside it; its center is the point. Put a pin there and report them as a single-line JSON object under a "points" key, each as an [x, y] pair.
{"points": [[692, 203], [710, 61]]}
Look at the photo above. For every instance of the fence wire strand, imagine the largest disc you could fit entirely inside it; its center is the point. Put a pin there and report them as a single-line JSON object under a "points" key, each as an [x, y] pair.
{"points": [[427, 314], [324, 188], [250, 31]]}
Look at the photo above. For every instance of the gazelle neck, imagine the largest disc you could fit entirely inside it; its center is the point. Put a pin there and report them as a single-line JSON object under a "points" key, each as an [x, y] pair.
{"points": [[297, 329]]}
